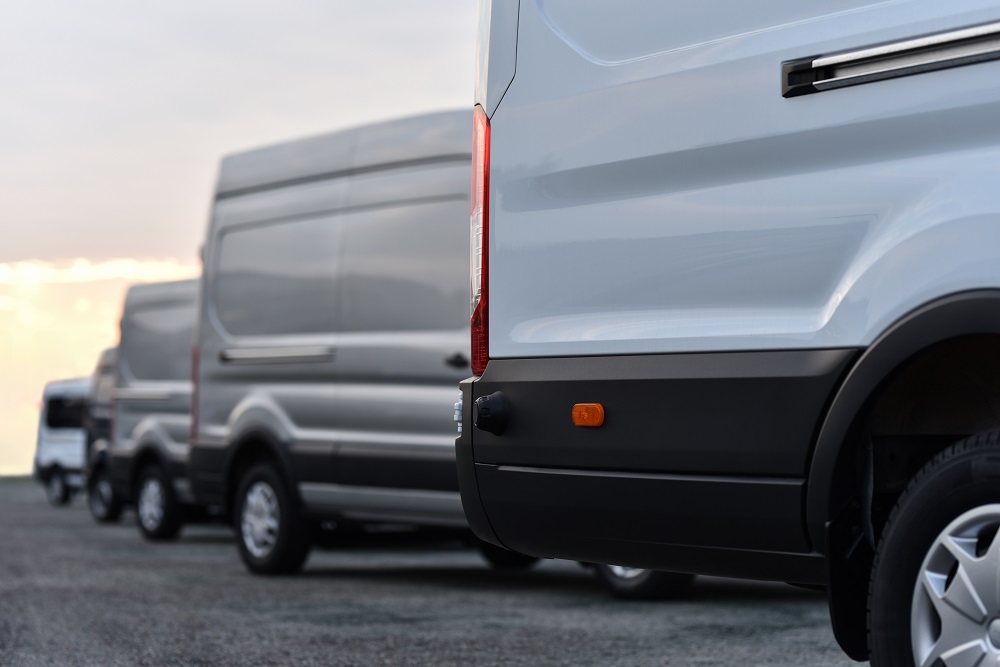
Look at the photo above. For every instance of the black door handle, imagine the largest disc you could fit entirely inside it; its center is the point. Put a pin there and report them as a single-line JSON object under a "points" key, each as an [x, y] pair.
{"points": [[457, 360]]}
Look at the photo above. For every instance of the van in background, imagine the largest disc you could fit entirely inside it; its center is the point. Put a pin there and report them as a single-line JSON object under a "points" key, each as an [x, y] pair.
{"points": [[103, 504], [59, 453], [151, 414], [333, 332]]}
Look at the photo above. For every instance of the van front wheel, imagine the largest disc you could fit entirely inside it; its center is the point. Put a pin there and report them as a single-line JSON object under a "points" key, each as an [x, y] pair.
{"points": [[273, 538]]}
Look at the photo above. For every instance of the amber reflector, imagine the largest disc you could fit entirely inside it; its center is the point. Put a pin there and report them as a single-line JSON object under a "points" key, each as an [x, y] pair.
{"points": [[588, 414]]}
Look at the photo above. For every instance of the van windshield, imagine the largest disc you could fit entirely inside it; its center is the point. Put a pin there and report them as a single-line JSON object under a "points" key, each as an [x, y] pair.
{"points": [[65, 412]]}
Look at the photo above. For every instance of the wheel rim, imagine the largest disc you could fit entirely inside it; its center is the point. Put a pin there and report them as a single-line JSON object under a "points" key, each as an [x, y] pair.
{"points": [[623, 572], [100, 497], [55, 487], [955, 615], [151, 501], [260, 519]]}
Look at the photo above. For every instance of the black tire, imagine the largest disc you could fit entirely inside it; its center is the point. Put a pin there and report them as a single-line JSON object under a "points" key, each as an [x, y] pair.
{"points": [[156, 506], [56, 489], [505, 559], [960, 481], [104, 505], [636, 584], [263, 500]]}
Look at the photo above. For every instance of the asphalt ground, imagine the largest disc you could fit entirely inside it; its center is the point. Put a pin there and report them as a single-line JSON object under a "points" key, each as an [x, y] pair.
{"points": [[76, 593]]}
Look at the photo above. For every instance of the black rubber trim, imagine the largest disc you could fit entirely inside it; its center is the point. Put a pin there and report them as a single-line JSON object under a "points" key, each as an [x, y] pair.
{"points": [[967, 313], [751, 413], [396, 468]]}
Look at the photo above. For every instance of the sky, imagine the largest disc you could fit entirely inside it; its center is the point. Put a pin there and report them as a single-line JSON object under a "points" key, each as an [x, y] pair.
{"points": [[113, 117]]}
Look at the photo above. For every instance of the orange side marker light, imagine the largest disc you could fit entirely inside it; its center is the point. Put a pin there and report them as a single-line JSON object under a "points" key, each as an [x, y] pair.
{"points": [[588, 414]]}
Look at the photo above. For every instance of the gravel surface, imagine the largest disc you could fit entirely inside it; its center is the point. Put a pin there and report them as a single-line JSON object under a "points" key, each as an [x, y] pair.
{"points": [[76, 593]]}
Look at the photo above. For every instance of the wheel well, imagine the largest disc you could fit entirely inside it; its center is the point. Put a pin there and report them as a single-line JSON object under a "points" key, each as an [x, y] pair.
{"points": [[935, 398], [932, 399]]}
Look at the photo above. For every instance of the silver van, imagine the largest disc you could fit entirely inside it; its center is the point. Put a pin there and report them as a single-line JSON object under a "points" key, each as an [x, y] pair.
{"points": [[61, 438], [333, 332], [147, 460], [103, 504]]}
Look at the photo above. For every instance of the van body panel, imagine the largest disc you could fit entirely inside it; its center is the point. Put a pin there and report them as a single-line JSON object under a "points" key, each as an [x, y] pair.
{"points": [[343, 329], [704, 211]]}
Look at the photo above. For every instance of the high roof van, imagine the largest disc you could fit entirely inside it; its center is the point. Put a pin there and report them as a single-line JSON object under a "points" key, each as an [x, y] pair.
{"points": [[333, 331], [151, 413], [736, 302], [59, 453]]}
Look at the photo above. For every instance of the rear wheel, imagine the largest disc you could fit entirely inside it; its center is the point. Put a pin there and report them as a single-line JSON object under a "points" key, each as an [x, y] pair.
{"points": [[104, 506], [156, 505], [934, 597], [273, 538], [56, 488], [633, 583], [505, 559]]}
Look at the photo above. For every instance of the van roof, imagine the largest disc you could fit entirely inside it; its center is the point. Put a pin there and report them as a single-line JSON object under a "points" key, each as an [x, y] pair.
{"points": [[176, 290], [433, 137]]}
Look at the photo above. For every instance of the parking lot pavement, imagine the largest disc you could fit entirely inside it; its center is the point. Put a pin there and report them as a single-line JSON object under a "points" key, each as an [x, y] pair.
{"points": [[75, 593]]}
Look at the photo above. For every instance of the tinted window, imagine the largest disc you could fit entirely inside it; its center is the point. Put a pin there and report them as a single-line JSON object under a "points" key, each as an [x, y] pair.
{"points": [[278, 278], [407, 268], [157, 342], [65, 412]]}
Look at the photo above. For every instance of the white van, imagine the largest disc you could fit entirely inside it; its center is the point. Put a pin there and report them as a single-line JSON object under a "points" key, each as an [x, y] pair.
{"points": [[737, 302], [62, 439], [151, 408]]}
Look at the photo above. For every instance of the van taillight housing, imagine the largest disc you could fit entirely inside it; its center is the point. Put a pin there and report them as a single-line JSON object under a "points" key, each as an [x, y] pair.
{"points": [[480, 241]]}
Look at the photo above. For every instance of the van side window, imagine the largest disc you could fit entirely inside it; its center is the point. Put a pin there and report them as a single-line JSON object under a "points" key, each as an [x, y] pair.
{"points": [[64, 412], [278, 278], [406, 268], [160, 328]]}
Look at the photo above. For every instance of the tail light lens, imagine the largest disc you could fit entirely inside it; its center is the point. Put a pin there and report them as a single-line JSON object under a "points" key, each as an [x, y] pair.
{"points": [[480, 250], [194, 393]]}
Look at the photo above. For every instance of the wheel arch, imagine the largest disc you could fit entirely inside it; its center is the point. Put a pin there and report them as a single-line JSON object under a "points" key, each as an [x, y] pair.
{"points": [[837, 522], [147, 454], [954, 316], [253, 445]]}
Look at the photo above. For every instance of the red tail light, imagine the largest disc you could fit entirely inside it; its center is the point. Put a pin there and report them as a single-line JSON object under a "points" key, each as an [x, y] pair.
{"points": [[194, 393], [480, 251]]}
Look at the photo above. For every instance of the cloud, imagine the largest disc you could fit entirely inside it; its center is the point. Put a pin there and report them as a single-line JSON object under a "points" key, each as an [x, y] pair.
{"points": [[39, 272]]}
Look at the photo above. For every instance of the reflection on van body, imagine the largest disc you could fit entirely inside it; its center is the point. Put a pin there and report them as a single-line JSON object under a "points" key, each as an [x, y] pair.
{"points": [[333, 333]]}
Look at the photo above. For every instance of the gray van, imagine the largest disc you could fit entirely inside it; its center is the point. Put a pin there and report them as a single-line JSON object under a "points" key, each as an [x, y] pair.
{"points": [[103, 504], [333, 332], [147, 460]]}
